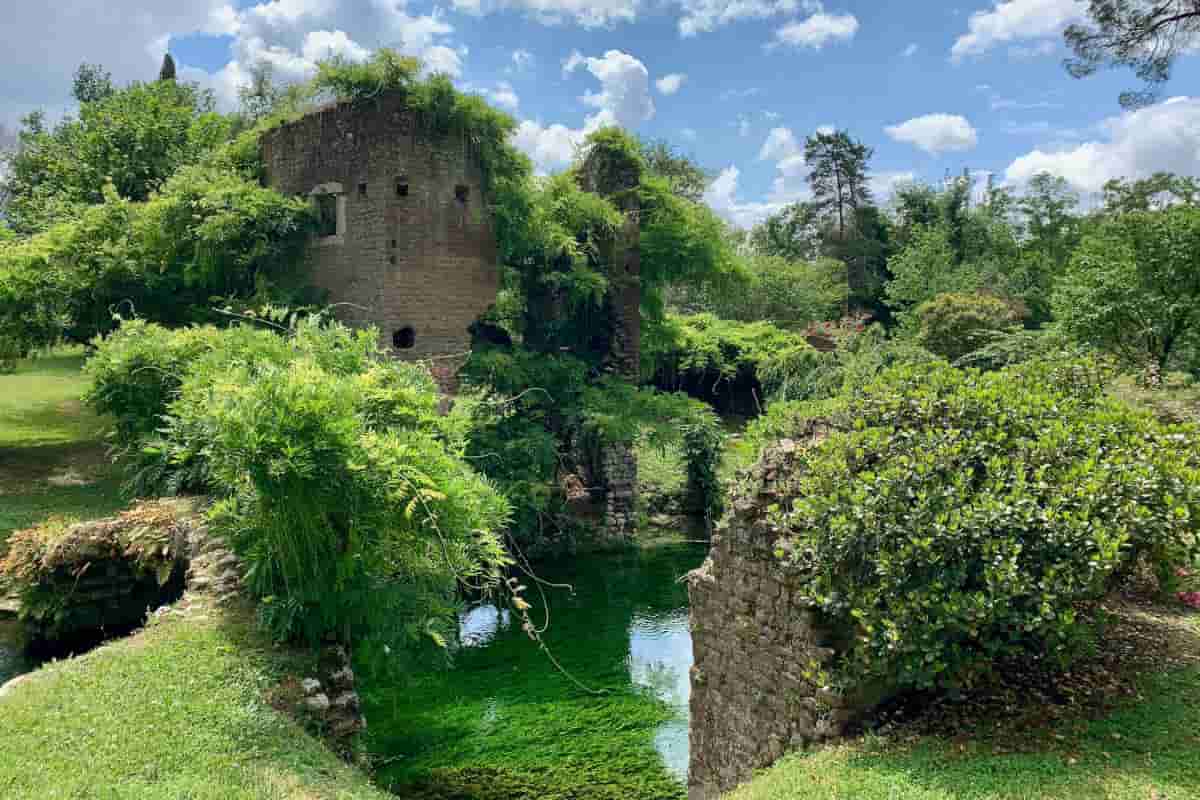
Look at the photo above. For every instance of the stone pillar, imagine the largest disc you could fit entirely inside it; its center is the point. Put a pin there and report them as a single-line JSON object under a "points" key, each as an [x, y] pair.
{"points": [[761, 651], [610, 176]]}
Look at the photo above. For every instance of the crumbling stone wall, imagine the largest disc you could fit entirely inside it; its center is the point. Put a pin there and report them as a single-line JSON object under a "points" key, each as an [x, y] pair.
{"points": [[761, 651], [618, 180], [411, 246]]}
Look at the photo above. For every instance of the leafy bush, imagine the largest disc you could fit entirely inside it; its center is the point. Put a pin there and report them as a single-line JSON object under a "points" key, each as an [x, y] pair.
{"points": [[953, 325], [702, 355], [543, 418], [342, 488], [208, 234], [789, 294], [949, 518]]}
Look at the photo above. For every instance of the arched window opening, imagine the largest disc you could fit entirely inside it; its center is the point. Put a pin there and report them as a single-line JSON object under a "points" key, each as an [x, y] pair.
{"points": [[404, 339]]}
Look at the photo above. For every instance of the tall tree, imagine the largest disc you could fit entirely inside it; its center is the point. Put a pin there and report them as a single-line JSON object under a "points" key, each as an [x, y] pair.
{"points": [[167, 71], [687, 178], [1145, 35], [839, 176], [1161, 190], [792, 233], [92, 84], [1132, 286]]}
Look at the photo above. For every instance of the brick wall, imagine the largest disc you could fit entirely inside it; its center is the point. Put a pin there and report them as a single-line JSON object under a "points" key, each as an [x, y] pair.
{"points": [[411, 253], [760, 649]]}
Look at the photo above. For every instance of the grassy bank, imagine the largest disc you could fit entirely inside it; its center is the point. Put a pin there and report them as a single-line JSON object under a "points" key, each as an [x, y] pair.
{"points": [[176, 711], [52, 455], [1146, 748]]}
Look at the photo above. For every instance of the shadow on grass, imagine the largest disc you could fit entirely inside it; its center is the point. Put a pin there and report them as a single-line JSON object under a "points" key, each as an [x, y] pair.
{"points": [[1147, 747]]}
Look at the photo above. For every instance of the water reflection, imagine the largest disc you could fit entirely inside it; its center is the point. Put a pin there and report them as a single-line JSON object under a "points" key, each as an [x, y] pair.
{"points": [[660, 658], [622, 629]]}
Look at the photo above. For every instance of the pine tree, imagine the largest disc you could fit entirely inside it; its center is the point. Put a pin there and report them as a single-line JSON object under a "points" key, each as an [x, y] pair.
{"points": [[167, 73], [839, 177]]}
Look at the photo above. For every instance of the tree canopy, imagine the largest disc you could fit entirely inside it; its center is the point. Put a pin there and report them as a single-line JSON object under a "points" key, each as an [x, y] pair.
{"points": [[1143, 35]]}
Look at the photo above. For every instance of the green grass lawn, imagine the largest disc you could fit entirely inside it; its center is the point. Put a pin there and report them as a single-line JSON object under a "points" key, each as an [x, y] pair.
{"points": [[1147, 749], [176, 711], [52, 457]]}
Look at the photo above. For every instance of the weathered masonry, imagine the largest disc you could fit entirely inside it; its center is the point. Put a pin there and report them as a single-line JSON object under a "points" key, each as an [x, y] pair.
{"points": [[760, 650], [406, 240]]}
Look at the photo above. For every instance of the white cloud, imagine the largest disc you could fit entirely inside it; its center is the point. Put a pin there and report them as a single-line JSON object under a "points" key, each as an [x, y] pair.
{"points": [[327, 44], [670, 84], [1032, 51], [585, 13], [504, 96], [884, 184], [781, 144], [1001, 104], [1015, 20], [722, 196], [1162, 138], [702, 16], [624, 96], [550, 147], [624, 99], [910, 51], [522, 59], [817, 31], [736, 94], [936, 133]]}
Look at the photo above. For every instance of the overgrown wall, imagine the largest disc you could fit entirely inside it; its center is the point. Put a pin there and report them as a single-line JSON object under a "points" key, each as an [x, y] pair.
{"points": [[413, 249], [760, 649]]}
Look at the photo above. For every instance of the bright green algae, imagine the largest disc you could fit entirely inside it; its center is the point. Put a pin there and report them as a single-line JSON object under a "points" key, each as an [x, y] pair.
{"points": [[504, 724]]}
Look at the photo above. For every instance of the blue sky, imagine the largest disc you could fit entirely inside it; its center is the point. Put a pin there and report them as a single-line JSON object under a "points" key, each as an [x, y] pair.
{"points": [[931, 85]]}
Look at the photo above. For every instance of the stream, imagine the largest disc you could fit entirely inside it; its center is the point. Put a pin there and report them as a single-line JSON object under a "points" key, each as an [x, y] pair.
{"points": [[503, 721]]}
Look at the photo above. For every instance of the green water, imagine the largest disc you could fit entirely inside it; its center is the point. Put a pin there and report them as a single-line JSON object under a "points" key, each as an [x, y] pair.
{"points": [[504, 724]]}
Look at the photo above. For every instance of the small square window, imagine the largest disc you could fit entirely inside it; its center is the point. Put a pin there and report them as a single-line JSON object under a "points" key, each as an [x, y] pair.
{"points": [[462, 193], [392, 244], [402, 187], [362, 190], [326, 215]]}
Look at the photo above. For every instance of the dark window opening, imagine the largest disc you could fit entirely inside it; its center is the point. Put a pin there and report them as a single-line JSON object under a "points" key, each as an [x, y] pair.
{"points": [[402, 187], [404, 339], [327, 215], [392, 260], [393, 244], [362, 190], [461, 193]]}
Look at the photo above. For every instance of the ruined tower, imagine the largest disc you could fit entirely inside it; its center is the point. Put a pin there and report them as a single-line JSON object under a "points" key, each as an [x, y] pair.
{"points": [[406, 240]]}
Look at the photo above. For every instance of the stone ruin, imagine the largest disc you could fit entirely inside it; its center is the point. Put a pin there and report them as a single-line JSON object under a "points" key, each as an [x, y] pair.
{"points": [[760, 649], [406, 243]]}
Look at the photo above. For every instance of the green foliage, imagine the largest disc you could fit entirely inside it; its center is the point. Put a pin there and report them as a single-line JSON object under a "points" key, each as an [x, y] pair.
{"points": [[441, 107], [1156, 193], [543, 417], [1132, 287], [209, 234], [134, 139], [715, 349], [343, 490], [928, 266], [789, 294], [949, 518], [953, 325], [686, 178]]}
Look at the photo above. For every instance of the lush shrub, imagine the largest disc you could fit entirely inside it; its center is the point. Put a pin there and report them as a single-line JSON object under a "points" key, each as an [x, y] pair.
{"points": [[1132, 287], [789, 294], [721, 361], [209, 234], [342, 488], [953, 325], [544, 418], [950, 518]]}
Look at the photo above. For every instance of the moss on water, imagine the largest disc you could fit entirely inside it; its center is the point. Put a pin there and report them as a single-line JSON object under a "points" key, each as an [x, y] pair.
{"points": [[502, 723]]}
